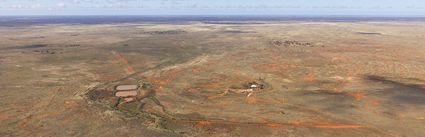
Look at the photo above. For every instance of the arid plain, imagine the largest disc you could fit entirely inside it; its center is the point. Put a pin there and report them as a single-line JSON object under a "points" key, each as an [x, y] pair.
{"points": [[342, 79]]}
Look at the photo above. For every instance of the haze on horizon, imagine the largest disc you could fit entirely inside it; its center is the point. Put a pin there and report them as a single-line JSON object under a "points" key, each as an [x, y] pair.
{"points": [[213, 7]]}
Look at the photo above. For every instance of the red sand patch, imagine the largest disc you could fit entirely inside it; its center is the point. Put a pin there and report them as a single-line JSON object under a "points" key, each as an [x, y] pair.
{"points": [[251, 100], [221, 104], [215, 96], [273, 125], [70, 104], [375, 103], [357, 95], [203, 123], [309, 77], [334, 125], [123, 60], [164, 79]]}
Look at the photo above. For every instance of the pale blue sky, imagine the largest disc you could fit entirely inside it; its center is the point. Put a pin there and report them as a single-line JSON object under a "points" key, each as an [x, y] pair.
{"points": [[213, 7]]}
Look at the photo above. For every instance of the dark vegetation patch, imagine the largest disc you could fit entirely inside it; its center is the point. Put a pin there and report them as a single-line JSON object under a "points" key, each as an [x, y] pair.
{"points": [[412, 99], [99, 94], [48, 51], [160, 48], [402, 92], [291, 43], [167, 32], [38, 37], [331, 100], [369, 33], [395, 83], [73, 45], [237, 31], [28, 46]]}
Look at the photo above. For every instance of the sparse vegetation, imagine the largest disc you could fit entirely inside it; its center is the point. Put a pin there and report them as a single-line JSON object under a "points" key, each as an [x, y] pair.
{"points": [[194, 80]]}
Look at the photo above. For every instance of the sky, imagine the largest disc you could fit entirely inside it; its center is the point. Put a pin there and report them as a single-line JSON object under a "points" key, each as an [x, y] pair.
{"points": [[213, 7]]}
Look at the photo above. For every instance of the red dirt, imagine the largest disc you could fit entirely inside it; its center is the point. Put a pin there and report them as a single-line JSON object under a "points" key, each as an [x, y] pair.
{"points": [[164, 79], [203, 123], [123, 60], [273, 125], [357, 95], [309, 77], [251, 100]]}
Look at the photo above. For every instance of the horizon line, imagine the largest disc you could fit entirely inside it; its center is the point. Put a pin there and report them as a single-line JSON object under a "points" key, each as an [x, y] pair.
{"points": [[218, 15]]}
